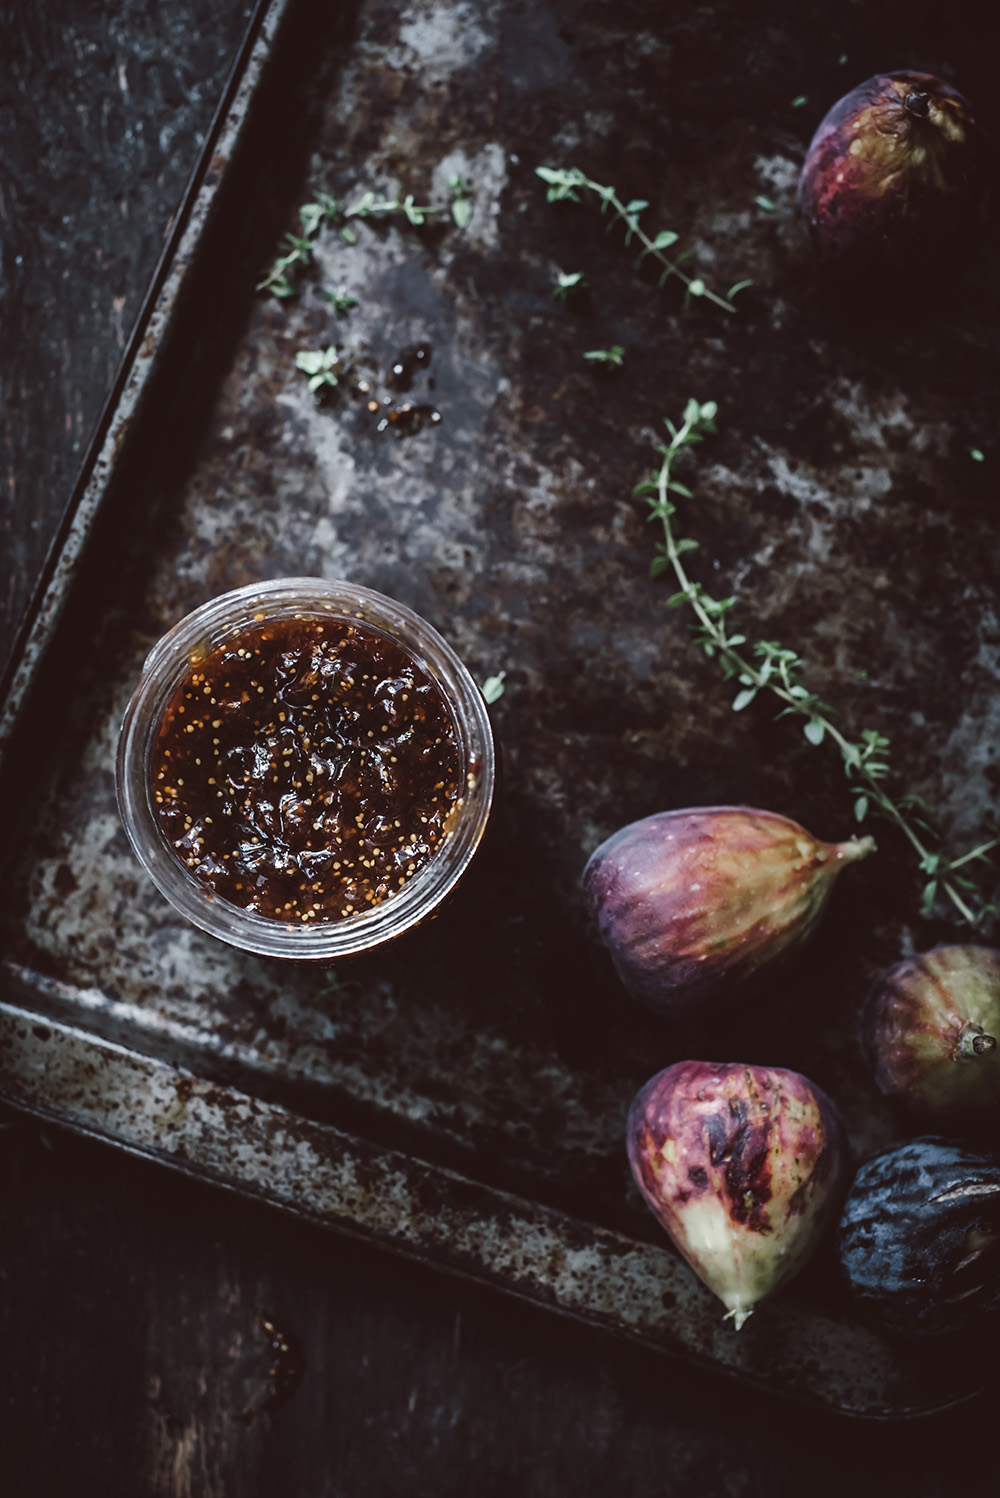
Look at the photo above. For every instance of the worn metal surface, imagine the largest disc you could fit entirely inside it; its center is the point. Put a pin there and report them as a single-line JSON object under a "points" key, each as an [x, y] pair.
{"points": [[838, 503], [339, 1180]]}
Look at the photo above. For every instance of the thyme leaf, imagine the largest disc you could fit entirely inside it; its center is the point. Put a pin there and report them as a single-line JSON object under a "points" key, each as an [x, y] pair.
{"points": [[493, 687], [615, 355]]}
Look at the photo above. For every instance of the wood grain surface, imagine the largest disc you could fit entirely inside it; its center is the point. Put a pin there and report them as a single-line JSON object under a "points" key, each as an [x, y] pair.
{"points": [[130, 1306], [103, 110]]}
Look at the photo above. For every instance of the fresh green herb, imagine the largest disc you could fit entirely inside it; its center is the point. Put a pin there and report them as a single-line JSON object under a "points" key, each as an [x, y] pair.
{"points": [[461, 202], [977, 455], [765, 203], [799, 100], [566, 283], [371, 205], [331, 990], [320, 365], [615, 355], [769, 666], [340, 301], [297, 249], [493, 687], [566, 184]]}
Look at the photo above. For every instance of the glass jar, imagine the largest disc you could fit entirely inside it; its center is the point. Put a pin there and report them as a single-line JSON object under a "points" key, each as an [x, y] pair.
{"points": [[219, 623]]}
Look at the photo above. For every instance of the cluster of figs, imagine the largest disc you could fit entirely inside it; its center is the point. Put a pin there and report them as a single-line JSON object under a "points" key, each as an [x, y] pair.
{"points": [[747, 1167]]}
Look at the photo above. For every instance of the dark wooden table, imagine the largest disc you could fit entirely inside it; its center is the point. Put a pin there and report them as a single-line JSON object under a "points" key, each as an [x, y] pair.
{"points": [[129, 1306], [161, 1338]]}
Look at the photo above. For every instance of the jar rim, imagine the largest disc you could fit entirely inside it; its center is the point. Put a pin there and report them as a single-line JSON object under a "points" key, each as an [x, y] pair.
{"points": [[202, 631]]}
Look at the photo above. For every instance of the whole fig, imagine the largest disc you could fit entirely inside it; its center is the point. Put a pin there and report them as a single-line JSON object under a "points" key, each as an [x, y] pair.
{"points": [[930, 1028], [691, 903], [919, 1237], [896, 177], [744, 1166]]}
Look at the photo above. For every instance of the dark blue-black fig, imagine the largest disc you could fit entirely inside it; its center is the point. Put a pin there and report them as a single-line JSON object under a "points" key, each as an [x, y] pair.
{"points": [[919, 1238]]}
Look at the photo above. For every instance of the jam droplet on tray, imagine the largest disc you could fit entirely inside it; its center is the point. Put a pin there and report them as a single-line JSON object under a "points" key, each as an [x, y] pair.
{"points": [[306, 769]]}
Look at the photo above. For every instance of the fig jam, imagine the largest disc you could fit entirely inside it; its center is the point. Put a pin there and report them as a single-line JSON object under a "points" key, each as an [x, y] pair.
{"points": [[306, 769]]}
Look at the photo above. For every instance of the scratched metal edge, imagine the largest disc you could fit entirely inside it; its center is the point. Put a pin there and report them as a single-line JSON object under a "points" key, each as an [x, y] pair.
{"points": [[336, 1180], [140, 362]]}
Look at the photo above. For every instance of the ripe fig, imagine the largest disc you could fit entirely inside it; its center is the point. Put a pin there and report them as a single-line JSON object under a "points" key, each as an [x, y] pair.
{"points": [[690, 903], [930, 1029], [896, 176], [919, 1237], [744, 1166]]}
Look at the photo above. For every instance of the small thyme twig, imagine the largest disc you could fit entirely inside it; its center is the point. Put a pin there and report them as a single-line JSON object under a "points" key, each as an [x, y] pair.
{"points": [[777, 670], [566, 283], [563, 185], [615, 355], [321, 365], [297, 249], [341, 302]]}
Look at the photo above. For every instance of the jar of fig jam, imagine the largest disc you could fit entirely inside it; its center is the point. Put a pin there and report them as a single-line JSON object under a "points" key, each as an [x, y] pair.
{"points": [[306, 769]]}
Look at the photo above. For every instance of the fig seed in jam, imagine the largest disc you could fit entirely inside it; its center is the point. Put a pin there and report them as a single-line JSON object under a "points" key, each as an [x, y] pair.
{"points": [[306, 769]]}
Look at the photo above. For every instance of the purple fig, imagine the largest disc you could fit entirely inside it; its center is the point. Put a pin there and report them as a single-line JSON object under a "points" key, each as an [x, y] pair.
{"points": [[691, 903], [896, 176], [744, 1166], [930, 1029]]}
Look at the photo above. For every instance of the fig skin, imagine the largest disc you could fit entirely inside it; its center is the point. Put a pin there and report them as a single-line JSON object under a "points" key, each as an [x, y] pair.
{"points": [[897, 176], [930, 1030], [743, 1166], [692, 903], [919, 1238]]}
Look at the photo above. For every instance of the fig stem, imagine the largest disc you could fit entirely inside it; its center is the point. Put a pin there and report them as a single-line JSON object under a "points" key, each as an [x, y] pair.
{"points": [[866, 760], [857, 848], [974, 1041], [739, 1316]]}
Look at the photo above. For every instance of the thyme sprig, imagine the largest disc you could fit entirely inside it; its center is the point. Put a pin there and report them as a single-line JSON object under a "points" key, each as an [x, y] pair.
{"points": [[322, 365], [614, 356], [769, 666], [565, 185], [297, 249]]}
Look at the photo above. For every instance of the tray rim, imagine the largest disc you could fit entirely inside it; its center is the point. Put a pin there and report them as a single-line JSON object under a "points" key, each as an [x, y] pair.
{"points": [[455, 1236]]}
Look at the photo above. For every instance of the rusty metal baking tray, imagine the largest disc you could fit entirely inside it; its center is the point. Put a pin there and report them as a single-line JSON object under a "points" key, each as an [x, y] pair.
{"points": [[461, 1097]]}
